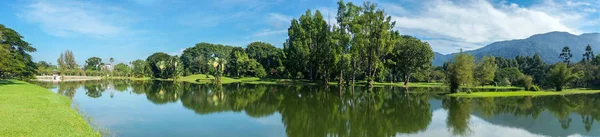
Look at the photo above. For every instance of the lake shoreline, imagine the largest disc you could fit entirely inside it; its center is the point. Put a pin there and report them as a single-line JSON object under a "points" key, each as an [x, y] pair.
{"points": [[524, 93], [44, 113], [480, 91]]}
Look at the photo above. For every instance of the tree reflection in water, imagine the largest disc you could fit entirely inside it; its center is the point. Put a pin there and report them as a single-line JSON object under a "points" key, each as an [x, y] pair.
{"points": [[324, 111]]}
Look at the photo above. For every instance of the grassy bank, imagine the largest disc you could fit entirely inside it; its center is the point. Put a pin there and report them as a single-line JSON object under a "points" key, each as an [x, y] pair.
{"points": [[524, 93], [30, 110], [206, 79]]}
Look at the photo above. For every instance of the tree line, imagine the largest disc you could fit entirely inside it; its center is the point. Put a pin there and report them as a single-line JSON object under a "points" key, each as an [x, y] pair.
{"points": [[362, 45], [532, 73]]}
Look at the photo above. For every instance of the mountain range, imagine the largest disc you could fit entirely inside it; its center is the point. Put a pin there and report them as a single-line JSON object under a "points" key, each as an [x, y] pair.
{"points": [[548, 45]]}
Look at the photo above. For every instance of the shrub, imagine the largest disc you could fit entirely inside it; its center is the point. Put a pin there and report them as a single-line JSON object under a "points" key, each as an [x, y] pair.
{"points": [[534, 88]]}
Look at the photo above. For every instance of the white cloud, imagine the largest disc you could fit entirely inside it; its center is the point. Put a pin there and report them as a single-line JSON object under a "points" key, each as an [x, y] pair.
{"points": [[69, 18], [477, 23]]}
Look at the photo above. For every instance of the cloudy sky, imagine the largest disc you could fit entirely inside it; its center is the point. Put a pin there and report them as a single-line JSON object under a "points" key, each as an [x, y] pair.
{"points": [[133, 29]]}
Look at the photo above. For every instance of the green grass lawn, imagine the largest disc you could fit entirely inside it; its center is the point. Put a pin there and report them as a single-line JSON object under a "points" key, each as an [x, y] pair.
{"points": [[30, 110], [524, 93]]}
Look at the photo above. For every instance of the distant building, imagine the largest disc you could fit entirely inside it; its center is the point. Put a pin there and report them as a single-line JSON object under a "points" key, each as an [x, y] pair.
{"points": [[106, 67], [55, 75]]}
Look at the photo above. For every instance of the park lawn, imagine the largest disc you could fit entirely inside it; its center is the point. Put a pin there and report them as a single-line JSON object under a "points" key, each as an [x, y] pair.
{"points": [[30, 110], [524, 93]]}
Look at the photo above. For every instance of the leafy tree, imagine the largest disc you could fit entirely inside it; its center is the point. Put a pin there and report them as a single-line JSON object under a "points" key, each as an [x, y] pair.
{"points": [[526, 81], [591, 77], [112, 60], [93, 63], [507, 76], [15, 60], [219, 66], [507, 63], [560, 75], [66, 61], [409, 56], [351, 46], [375, 36], [296, 51], [485, 70], [195, 59], [460, 71], [437, 76], [44, 68], [269, 56], [164, 66], [538, 69], [240, 65], [566, 55], [139, 68], [122, 69], [306, 45]]}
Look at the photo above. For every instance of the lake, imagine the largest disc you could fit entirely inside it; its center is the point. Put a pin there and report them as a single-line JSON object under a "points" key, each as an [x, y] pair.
{"points": [[162, 108]]}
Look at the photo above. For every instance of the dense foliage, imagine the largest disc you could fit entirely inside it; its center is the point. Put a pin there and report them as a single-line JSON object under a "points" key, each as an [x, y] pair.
{"points": [[164, 66], [15, 61]]}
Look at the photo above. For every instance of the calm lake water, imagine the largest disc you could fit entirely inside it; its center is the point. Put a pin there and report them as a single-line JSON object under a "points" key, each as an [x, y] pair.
{"points": [[158, 108]]}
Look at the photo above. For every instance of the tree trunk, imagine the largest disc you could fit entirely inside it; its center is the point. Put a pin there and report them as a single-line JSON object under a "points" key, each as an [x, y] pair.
{"points": [[325, 77], [453, 87], [353, 73], [406, 79]]}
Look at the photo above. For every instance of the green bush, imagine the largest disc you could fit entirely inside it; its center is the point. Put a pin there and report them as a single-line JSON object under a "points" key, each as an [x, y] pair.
{"points": [[534, 88]]}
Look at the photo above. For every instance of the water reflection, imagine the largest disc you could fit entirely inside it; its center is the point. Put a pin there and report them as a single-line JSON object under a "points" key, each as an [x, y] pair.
{"points": [[386, 111]]}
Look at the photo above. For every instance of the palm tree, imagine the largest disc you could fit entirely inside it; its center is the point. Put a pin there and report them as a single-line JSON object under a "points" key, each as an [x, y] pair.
{"points": [[161, 66], [219, 65], [560, 75]]}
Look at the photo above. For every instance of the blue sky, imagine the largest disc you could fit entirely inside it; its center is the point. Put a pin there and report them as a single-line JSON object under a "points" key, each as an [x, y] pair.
{"points": [[133, 29]]}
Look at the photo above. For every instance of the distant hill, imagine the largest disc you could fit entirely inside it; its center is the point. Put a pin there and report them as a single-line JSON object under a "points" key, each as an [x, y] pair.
{"points": [[548, 45]]}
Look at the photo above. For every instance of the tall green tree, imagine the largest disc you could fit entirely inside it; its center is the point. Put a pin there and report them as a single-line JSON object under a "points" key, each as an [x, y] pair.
{"points": [[485, 70], [566, 55], [460, 71], [347, 13], [560, 75], [589, 53], [375, 33], [296, 51], [307, 41], [538, 69], [409, 56], [348, 21], [93, 63], [66, 61]]}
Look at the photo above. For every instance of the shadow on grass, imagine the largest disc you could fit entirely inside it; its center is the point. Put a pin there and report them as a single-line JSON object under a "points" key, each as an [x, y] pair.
{"points": [[8, 82]]}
